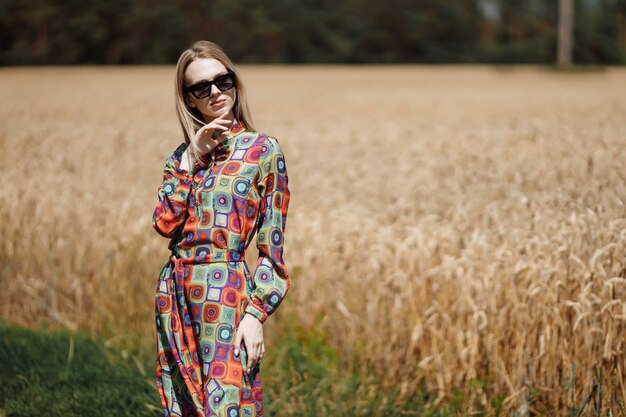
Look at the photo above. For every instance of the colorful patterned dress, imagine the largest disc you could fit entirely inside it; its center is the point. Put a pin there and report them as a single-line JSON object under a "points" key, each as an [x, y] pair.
{"points": [[205, 288]]}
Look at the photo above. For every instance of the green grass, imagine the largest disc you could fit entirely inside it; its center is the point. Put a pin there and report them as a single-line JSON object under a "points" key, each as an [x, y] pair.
{"points": [[55, 373], [303, 375], [58, 373]]}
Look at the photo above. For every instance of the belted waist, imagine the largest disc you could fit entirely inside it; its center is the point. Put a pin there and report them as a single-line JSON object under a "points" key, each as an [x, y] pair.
{"points": [[204, 258]]}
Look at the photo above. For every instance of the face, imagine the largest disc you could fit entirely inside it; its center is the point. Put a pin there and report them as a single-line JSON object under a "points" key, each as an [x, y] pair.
{"points": [[218, 102]]}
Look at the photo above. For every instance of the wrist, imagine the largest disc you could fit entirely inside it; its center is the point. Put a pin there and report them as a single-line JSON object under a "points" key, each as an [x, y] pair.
{"points": [[196, 155], [255, 318], [257, 312]]}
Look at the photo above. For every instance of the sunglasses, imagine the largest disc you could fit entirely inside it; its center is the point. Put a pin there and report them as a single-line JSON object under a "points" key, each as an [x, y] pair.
{"points": [[203, 88]]}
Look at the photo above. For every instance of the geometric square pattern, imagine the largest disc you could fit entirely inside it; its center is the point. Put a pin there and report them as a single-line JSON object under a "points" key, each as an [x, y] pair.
{"points": [[211, 213]]}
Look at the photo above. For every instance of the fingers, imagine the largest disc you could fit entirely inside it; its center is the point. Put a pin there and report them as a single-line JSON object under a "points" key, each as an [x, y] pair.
{"points": [[219, 135], [255, 353], [217, 129], [238, 336], [211, 134], [219, 122], [260, 351], [216, 125], [251, 332]]}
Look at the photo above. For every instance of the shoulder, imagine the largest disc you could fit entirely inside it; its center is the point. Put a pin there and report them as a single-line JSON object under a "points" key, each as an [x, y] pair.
{"points": [[260, 145], [268, 145], [261, 149], [178, 151], [174, 158], [271, 156]]}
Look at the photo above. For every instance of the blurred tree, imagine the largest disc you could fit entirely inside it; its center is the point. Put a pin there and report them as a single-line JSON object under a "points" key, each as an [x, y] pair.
{"points": [[524, 33], [597, 32], [444, 31], [566, 33], [621, 9], [352, 31]]}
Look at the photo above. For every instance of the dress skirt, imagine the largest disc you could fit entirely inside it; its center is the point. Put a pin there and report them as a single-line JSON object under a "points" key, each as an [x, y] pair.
{"points": [[198, 308]]}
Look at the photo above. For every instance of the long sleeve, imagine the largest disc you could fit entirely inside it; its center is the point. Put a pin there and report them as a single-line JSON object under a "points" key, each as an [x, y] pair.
{"points": [[169, 214], [271, 278]]}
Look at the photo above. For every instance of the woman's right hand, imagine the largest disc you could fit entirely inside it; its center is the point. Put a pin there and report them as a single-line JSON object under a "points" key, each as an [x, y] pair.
{"points": [[211, 134], [206, 139]]}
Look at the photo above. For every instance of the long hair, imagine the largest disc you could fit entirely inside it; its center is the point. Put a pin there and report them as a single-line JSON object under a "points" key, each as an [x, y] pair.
{"points": [[190, 118]]}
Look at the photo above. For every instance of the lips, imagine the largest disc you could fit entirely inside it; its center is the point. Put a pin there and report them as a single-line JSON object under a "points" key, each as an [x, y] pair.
{"points": [[218, 103]]}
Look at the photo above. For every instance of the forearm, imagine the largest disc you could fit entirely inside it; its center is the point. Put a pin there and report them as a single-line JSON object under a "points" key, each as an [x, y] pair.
{"points": [[169, 213], [272, 283]]}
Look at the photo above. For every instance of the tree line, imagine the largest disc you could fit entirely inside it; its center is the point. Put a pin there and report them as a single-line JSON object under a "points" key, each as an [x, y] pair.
{"points": [[40, 32]]}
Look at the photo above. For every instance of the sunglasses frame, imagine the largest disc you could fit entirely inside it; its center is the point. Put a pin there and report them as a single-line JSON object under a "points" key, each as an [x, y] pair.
{"points": [[211, 84]]}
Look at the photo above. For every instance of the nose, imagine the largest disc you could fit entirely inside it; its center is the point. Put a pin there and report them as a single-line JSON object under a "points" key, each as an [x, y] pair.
{"points": [[215, 90]]}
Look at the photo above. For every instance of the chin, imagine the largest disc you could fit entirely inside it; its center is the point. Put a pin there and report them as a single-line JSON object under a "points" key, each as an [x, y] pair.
{"points": [[222, 113], [217, 113]]}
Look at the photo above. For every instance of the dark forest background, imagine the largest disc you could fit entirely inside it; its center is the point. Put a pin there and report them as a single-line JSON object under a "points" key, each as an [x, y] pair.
{"points": [[37, 32]]}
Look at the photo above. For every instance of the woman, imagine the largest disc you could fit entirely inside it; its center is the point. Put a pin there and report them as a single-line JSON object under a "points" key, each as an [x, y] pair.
{"points": [[223, 184]]}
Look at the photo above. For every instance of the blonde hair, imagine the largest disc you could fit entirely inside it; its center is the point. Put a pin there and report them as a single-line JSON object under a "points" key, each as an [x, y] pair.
{"points": [[190, 118]]}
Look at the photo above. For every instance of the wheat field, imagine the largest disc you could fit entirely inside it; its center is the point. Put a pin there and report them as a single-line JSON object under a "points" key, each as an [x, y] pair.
{"points": [[458, 228]]}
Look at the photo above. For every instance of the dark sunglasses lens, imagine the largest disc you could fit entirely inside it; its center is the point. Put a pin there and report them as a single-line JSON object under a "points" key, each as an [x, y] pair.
{"points": [[225, 82], [201, 90]]}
